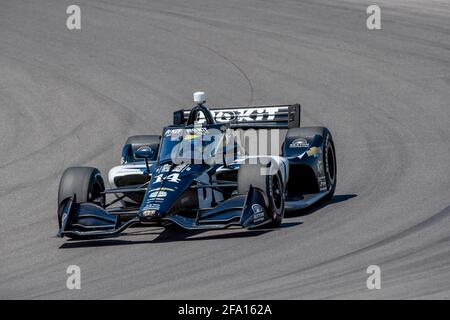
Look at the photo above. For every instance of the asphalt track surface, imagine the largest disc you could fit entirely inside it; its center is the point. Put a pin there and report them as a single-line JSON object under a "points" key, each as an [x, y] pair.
{"points": [[72, 97]]}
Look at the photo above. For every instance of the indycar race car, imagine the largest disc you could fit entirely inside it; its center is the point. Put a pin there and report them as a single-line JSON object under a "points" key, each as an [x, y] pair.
{"points": [[201, 174]]}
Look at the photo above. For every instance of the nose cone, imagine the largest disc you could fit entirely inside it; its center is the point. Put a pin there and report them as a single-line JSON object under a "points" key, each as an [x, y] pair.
{"points": [[149, 214], [166, 186], [156, 202]]}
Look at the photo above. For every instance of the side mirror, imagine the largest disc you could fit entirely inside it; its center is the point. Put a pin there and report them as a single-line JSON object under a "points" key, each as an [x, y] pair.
{"points": [[144, 152]]}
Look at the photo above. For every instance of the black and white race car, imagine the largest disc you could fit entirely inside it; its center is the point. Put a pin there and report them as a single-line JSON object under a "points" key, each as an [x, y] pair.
{"points": [[204, 172]]}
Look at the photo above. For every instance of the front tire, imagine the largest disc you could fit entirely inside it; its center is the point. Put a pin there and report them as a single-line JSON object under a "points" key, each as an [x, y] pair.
{"points": [[85, 183]]}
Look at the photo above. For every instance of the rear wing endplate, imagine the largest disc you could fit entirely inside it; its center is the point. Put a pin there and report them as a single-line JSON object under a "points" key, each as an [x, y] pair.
{"points": [[256, 117]]}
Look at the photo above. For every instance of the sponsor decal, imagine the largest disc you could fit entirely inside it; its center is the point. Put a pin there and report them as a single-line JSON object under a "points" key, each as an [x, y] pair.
{"points": [[197, 130], [322, 183], [152, 206], [189, 131], [156, 196], [258, 213], [64, 218], [173, 132], [299, 143], [191, 136], [320, 167], [149, 213], [145, 148], [159, 194], [243, 115], [180, 167], [162, 189], [165, 168], [313, 152]]}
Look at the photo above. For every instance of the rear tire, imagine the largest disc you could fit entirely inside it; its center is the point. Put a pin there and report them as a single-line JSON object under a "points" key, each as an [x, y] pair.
{"points": [[85, 183], [328, 152], [329, 163], [250, 174]]}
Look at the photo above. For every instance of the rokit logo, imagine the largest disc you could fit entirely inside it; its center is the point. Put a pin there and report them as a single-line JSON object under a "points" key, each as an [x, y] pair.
{"points": [[244, 115], [225, 116]]}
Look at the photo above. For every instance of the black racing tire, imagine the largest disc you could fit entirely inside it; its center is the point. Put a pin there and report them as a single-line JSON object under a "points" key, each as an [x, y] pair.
{"points": [[136, 142], [329, 163], [86, 183], [328, 152], [272, 185]]}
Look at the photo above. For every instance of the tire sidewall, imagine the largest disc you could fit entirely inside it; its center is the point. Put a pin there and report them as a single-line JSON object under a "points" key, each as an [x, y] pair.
{"points": [[277, 213], [84, 189], [97, 180], [328, 146]]}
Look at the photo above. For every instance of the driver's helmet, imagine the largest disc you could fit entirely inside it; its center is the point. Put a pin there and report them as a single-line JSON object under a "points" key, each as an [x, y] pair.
{"points": [[197, 147], [199, 141]]}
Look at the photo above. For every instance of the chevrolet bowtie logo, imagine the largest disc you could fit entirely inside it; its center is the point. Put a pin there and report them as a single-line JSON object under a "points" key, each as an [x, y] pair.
{"points": [[149, 213]]}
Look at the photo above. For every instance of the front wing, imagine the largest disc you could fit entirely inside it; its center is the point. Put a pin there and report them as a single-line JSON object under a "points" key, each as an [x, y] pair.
{"points": [[87, 220]]}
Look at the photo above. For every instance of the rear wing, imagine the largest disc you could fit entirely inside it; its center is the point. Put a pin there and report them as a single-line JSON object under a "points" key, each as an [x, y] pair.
{"points": [[256, 117]]}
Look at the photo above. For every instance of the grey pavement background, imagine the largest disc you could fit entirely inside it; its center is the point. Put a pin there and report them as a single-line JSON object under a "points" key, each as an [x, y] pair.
{"points": [[72, 98]]}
